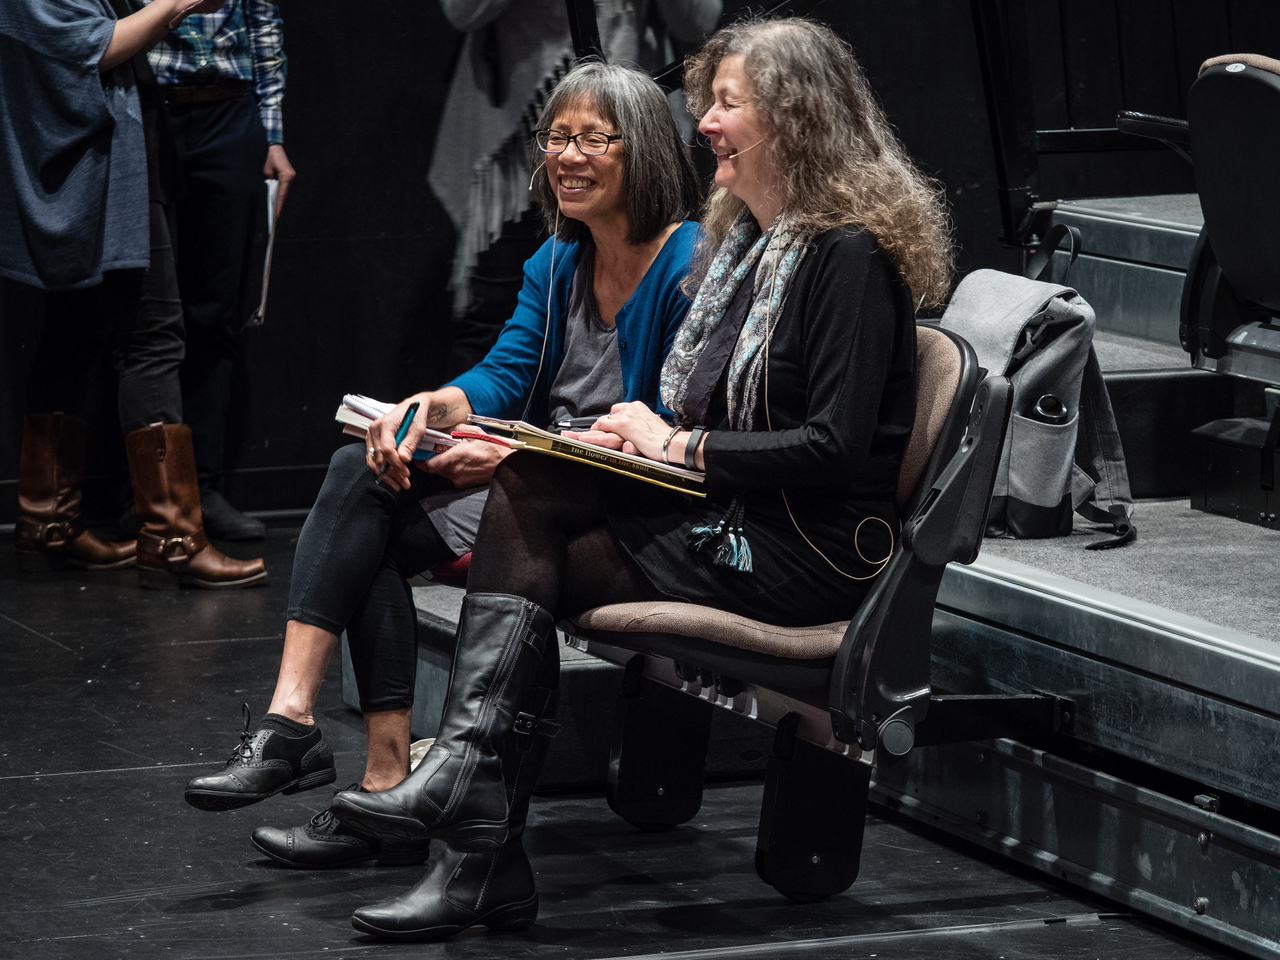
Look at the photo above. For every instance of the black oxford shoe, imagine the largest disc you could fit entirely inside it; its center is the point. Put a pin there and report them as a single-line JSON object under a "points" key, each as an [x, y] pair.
{"points": [[224, 522], [265, 763], [325, 842]]}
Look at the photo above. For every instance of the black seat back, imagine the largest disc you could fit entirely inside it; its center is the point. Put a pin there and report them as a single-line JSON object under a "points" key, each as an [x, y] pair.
{"points": [[1234, 115], [880, 679]]}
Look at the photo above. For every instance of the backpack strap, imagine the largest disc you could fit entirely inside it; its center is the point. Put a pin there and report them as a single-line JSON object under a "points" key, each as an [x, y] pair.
{"points": [[1099, 478], [1038, 265]]}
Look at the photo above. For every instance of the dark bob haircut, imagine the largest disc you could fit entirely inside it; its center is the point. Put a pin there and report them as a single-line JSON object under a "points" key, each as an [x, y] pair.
{"points": [[659, 182]]}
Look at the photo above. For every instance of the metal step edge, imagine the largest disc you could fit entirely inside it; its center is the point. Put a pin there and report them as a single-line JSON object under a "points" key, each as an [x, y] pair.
{"points": [[1199, 655], [1174, 817]]}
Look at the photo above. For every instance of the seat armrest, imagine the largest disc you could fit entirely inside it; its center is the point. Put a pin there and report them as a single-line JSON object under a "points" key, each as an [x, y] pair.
{"points": [[1165, 129], [949, 524]]}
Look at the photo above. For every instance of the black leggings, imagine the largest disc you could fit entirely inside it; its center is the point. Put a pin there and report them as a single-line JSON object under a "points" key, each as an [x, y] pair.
{"points": [[361, 543], [544, 537]]}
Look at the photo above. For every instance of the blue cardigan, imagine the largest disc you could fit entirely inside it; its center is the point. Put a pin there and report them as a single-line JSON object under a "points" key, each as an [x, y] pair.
{"points": [[498, 386]]}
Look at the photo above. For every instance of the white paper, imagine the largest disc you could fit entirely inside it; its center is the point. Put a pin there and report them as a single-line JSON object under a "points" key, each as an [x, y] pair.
{"points": [[260, 315], [373, 409]]}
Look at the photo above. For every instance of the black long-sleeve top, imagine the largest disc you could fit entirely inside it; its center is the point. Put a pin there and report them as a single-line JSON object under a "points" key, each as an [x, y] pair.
{"points": [[841, 403]]}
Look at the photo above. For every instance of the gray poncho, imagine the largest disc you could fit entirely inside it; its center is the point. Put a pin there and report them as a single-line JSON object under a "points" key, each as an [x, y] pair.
{"points": [[73, 165]]}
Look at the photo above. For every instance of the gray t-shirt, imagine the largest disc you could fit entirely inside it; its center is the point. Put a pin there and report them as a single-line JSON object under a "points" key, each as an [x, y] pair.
{"points": [[588, 383]]}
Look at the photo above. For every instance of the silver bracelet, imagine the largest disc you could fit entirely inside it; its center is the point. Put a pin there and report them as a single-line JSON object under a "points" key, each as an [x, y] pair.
{"points": [[666, 443]]}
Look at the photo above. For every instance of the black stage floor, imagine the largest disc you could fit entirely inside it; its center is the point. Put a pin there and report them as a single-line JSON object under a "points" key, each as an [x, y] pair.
{"points": [[112, 697]]}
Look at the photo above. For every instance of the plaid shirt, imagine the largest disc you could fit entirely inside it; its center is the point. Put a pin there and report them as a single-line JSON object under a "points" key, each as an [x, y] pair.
{"points": [[242, 41]]}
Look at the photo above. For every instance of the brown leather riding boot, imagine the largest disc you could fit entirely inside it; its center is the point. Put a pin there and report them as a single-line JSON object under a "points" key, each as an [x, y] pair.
{"points": [[50, 533], [172, 547]]}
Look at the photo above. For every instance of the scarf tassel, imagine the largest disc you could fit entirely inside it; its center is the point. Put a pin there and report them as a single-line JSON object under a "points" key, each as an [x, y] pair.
{"points": [[699, 537], [734, 551]]}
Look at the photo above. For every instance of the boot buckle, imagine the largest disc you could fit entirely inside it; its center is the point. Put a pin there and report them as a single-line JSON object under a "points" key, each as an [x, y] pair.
{"points": [[56, 534], [528, 725], [175, 550]]}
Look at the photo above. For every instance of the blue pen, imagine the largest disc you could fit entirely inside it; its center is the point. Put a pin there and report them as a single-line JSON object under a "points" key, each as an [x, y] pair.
{"points": [[403, 431]]}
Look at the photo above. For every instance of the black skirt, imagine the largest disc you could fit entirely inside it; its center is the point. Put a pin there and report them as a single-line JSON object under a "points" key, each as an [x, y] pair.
{"points": [[789, 584]]}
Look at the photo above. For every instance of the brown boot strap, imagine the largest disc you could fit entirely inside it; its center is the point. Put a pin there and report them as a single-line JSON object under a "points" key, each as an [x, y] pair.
{"points": [[50, 535], [175, 552]]}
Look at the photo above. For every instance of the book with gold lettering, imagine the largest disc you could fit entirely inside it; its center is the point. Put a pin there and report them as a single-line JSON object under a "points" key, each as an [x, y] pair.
{"points": [[524, 436]]}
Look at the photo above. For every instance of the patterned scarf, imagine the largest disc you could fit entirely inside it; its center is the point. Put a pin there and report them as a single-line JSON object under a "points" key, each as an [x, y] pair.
{"points": [[778, 251]]}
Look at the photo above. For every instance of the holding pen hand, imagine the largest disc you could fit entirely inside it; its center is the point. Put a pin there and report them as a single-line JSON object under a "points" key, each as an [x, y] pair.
{"points": [[405, 424], [390, 451]]}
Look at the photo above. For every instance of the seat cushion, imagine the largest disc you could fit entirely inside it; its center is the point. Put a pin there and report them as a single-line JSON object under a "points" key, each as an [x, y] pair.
{"points": [[1252, 59], [707, 623]]}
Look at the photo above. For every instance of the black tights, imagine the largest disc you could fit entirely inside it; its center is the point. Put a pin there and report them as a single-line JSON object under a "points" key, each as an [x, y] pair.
{"points": [[544, 537]]}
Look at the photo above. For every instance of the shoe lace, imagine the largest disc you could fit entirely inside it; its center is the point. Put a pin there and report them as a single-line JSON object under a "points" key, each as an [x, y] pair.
{"points": [[325, 816], [242, 750]]}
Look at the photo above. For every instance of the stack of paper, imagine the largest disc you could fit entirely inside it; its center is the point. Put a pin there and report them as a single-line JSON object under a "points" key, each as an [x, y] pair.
{"points": [[357, 412]]}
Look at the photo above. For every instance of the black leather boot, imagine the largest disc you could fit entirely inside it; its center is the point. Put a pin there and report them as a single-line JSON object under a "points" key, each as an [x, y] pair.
{"points": [[457, 792], [461, 890]]}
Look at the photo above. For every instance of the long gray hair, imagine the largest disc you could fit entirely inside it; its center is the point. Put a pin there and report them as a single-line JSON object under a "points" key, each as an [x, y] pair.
{"points": [[659, 183], [838, 159]]}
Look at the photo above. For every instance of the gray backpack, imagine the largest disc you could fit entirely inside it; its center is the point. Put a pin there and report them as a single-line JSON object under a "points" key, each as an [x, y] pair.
{"points": [[1062, 453]]}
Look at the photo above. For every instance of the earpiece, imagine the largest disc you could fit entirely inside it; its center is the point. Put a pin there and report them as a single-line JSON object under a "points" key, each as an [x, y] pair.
{"points": [[535, 173]]}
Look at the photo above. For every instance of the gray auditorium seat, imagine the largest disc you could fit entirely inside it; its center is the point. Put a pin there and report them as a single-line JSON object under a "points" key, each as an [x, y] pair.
{"points": [[1231, 296], [841, 696]]}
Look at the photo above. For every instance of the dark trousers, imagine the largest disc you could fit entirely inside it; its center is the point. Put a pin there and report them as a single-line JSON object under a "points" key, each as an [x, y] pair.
{"points": [[137, 310], [361, 543], [221, 150]]}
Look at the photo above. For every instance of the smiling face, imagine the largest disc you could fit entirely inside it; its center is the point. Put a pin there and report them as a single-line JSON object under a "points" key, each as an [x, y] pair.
{"points": [[739, 138], [587, 188]]}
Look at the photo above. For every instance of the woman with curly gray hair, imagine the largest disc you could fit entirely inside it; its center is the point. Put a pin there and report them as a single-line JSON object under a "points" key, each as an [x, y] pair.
{"points": [[792, 381]]}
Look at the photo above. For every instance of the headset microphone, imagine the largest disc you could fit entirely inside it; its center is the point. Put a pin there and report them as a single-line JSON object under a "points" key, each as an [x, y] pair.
{"points": [[535, 173], [738, 153]]}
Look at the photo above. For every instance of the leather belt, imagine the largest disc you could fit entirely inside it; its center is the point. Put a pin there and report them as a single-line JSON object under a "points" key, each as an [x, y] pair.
{"points": [[205, 92]]}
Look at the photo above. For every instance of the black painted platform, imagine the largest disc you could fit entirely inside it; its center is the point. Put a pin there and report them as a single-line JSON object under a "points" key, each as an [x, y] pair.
{"points": [[111, 698]]}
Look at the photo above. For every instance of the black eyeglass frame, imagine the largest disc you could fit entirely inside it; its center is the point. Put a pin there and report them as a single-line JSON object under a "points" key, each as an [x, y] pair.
{"points": [[540, 135]]}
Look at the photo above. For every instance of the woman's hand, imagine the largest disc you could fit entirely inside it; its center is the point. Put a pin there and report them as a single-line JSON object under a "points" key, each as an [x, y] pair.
{"points": [[141, 31], [469, 464], [437, 409], [629, 427]]}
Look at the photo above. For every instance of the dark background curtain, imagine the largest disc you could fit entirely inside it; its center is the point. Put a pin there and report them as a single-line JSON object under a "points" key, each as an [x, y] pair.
{"points": [[358, 293]]}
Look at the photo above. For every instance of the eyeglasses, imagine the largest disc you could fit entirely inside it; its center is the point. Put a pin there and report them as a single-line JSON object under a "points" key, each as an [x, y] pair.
{"points": [[588, 144]]}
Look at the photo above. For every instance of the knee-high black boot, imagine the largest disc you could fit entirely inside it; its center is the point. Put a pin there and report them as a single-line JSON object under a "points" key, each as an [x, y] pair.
{"points": [[495, 888], [457, 792]]}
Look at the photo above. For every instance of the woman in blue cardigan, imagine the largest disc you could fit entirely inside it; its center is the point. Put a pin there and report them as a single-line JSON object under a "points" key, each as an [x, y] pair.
{"points": [[598, 312]]}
